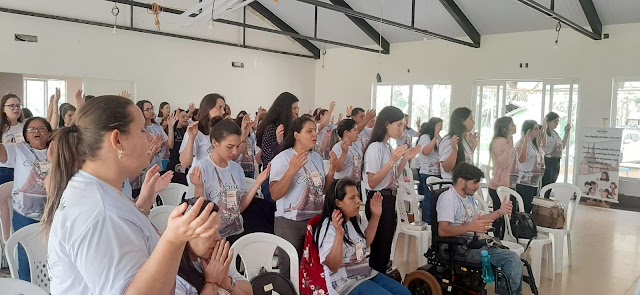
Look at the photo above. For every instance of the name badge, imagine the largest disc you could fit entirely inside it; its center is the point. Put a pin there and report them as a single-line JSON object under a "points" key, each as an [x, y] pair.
{"points": [[359, 251], [44, 166], [232, 200], [316, 178], [18, 138]]}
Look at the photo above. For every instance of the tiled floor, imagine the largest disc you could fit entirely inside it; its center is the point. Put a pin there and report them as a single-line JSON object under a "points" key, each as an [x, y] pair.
{"points": [[606, 255]]}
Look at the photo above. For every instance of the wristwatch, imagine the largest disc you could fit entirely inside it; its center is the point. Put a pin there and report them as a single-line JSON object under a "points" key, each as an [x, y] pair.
{"points": [[223, 291]]}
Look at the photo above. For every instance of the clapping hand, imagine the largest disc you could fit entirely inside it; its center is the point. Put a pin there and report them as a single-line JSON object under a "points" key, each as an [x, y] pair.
{"points": [[216, 269], [376, 204], [338, 221]]}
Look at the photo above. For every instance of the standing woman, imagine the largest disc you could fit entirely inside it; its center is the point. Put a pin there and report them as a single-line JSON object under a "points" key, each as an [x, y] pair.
{"points": [[221, 180], [248, 149], [156, 130], [86, 207], [530, 163], [429, 162], [199, 146], [67, 111], [553, 148], [10, 125], [163, 112], [297, 183], [270, 132], [349, 151], [31, 164], [503, 158], [179, 130], [382, 167], [459, 144]]}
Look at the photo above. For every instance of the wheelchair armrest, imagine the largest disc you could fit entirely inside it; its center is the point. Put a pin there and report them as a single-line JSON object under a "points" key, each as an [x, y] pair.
{"points": [[451, 240]]}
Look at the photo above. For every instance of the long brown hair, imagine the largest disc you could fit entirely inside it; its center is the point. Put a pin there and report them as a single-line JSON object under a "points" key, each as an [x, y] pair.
{"points": [[4, 120], [208, 102], [81, 142]]}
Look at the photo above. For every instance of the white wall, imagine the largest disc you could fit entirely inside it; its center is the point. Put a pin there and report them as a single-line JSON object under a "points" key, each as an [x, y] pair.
{"points": [[163, 69], [348, 74], [10, 82]]}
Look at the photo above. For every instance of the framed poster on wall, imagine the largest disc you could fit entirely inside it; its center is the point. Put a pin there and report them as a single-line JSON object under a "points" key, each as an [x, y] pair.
{"points": [[598, 153]]}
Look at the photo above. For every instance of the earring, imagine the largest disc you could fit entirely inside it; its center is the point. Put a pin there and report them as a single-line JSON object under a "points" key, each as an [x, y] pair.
{"points": [[120, 154]]}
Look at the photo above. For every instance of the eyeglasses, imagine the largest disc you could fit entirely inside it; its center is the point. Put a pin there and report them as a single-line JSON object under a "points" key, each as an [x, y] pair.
{"points": [[13, 106], [37, 129], [149, 110]]}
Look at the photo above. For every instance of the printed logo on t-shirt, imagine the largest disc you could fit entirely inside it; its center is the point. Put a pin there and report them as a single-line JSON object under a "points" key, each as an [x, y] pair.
{"points": [[228, 200]]}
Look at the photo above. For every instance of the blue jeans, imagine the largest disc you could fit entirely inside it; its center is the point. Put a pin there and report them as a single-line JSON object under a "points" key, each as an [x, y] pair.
{"points": [[19, 221], [380, 285], [265, 191], [6, 174], [424, 190], [250, 174], [510, 264]]}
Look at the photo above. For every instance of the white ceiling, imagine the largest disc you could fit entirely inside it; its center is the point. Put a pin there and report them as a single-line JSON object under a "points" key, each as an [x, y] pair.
{"points": [[488, 17]]}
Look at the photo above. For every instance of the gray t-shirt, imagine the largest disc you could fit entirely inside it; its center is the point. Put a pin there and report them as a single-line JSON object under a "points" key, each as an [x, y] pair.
{"points": [[376, 156], [429, 164], [445, 149], [224, 187], [453, 208], [156, 130], [305, 196], [353, 162], [202, 146]]}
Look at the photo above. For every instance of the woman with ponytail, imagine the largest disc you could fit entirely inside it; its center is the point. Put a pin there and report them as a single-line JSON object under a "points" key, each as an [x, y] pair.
{"points": [[459, 144], [348, 150], [429, 163], [221, 180], [86, 207], [198, 147]]}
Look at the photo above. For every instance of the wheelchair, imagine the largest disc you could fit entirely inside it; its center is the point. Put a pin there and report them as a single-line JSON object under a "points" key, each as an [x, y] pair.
{"points": [[448, 273]]}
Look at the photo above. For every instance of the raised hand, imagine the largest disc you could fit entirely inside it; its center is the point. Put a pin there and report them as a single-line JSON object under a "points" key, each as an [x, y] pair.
{"points": [[370, 115], [172, 119], [184, 226], [376, 204], [333, 161], [192, 108], [454, 143], [337, 220], [280, 134], [298, 161], [264, 175], [397, 154], [216, 269], [155, 145], [332, 106], [192, 130], [125, 94], [349, 111], [246, 126], [412, 152], [472, 137], [80, 100], [345, 146], [567, 128], [58, 95], [196, 177], [339, 117]]}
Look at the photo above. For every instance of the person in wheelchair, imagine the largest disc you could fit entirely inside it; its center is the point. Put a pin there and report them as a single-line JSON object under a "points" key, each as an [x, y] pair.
{"points": [[458, 216]]}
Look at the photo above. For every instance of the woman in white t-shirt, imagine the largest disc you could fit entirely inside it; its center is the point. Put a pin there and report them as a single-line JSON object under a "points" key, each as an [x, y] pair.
{"points": [[31, 165], [382, 166], [99, 241], [343, 238], [553, 148], [348, 150], [459, 144], [429, 162], [163, 112], [156, 130], [205, 269], [530, 163], [221, 180], [198, 146], [10, 125], [297, 184]]}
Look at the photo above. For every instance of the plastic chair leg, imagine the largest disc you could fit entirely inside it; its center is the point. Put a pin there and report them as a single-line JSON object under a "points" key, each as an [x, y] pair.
{"points": [[558, 246], [536, 262], [549, 253], [407, 240], [569, 249]]}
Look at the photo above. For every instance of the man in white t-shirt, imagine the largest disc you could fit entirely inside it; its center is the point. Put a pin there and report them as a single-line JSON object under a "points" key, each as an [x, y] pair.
{"points": [[458, 216]]}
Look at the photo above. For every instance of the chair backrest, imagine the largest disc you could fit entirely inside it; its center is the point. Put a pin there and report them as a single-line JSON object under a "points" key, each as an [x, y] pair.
{"points": [[401, 210], [5, 219], [434, 183], [505, 192], [407, 189], [159, 216], [35, 244], [486, 169], [173, 194], [408, 173], [20, 287], [563, 193], [256, 251]]}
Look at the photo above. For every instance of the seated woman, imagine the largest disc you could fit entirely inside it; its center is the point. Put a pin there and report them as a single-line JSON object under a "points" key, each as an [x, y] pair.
{"points": [[206, 268], [343, 238]]}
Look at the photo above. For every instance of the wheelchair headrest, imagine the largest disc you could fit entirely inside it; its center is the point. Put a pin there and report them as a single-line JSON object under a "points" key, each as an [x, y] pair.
{"points": [[435, 194]]}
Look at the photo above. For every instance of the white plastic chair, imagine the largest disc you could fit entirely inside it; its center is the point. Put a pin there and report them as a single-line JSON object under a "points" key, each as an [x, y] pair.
{"points": [[563, 193], [486, 169], [249, 183], [172, 195], [159, 216], [538, 245], [20, 287], [256, 251], [484, 208], [433, 179], [423, 237], [409, 195], [6, 213], [35, 244]]}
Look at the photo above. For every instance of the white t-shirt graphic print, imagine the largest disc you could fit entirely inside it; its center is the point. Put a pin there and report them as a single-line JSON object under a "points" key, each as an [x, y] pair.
{"points": [[353, 162], [224, 187], [9, 135], [31, 166], [305, 197]]}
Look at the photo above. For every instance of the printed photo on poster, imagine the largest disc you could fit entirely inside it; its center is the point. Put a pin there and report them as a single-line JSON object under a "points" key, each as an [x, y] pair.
{"points": [[599, 163]]}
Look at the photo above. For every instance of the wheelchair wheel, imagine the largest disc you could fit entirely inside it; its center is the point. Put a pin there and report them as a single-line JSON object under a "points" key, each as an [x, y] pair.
{"points": [[422, 283]]}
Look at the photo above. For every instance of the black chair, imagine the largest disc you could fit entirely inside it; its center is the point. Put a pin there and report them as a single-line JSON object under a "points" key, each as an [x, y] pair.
{"points": [[447, 272]]}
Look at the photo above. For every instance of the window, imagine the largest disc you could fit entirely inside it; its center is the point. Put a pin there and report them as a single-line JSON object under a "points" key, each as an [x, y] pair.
{"points": [[627, 114], [417, 101], [37, 93]]}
